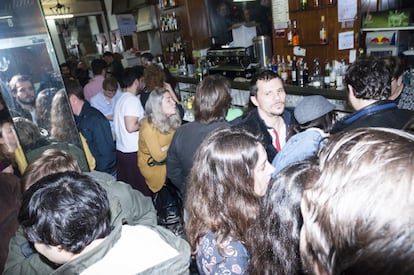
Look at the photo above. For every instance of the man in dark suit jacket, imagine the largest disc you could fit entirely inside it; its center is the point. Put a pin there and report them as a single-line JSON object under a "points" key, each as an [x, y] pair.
{"points": [[270, 118], [369, 84]]}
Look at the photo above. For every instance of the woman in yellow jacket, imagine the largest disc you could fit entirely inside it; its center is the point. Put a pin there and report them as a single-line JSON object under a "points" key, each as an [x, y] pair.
{"points": [[155, 135]]}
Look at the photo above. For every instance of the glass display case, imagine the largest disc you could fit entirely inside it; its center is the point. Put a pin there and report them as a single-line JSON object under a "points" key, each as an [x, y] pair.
{"points": [[31, 85]]}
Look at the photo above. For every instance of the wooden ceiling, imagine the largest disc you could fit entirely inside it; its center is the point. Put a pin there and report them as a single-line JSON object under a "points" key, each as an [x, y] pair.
{"points": [[76, 6]]}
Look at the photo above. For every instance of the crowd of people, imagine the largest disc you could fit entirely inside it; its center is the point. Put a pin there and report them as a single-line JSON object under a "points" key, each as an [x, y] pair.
{"points": [[274, 191]]}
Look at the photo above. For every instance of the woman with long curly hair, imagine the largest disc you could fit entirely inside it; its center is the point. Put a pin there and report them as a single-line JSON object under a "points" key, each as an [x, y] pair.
{"points": [[229, 176]]}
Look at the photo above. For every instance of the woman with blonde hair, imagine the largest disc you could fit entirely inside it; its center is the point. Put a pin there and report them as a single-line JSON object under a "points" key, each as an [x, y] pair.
{"points": [[229, 176], [155, 135]]}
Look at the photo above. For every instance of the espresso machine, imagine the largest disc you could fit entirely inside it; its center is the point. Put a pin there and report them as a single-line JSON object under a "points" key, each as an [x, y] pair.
{"points": [[231, 62]]}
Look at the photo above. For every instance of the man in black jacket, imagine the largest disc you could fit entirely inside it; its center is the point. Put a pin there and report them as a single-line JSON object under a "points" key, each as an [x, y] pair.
{"points": [[270, 117], [369, 84]]}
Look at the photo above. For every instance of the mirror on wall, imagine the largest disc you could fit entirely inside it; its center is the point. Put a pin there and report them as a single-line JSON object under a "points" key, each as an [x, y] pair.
{"points": [[225, 14], [31, 85]]}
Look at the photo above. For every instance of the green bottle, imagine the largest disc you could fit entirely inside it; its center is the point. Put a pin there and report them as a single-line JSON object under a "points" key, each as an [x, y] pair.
{"points": [[303, 4]]}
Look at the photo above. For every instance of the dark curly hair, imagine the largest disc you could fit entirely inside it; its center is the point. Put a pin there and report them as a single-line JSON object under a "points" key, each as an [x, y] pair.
{"points": [[370, 78]]}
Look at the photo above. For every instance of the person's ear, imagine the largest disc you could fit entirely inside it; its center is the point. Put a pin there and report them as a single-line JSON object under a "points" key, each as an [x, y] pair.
{"points": [[253, 99], [399, 80]]}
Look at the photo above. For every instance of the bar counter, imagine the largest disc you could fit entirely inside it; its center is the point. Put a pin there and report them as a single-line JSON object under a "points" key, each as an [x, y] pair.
{"points": [[294, 93]]}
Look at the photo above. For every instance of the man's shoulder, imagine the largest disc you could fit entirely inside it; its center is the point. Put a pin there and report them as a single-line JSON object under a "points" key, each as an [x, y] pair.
{"points": [[252, 120], [157, 249]]}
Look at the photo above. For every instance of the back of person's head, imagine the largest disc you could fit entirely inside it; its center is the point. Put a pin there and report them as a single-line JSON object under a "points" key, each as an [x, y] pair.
{"points": [[16, 79], [67, 209], [273, 240], [147, 58], [74, 88], [395, 66], [358, 215], [98, 65], [51, 161], [155, 114], [212, 99], [110, 84], [154, 77], [220, 191], [108, 54], [131, 74], [29, 134], [62, 125], [313, 111], [265, 75], [369, 78], [43, 106]]}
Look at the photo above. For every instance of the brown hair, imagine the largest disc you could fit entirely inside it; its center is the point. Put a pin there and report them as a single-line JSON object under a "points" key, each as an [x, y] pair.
{"points": [[212, 99], [154, 77], [51, 161], [110, 84], [220, 196], [358, 215]]}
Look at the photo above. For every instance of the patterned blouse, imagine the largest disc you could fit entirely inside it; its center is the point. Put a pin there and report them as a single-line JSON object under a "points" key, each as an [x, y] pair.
{"points": [[210, 261], [407, 98]]}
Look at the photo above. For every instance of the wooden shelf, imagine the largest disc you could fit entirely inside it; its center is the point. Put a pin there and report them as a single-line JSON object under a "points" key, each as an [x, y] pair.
{"points": [[312, 8], [311, 44], [169, 8], [408, 28]]}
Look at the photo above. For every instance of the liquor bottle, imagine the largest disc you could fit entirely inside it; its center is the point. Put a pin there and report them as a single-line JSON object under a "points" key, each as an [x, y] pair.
{"points": [[289, 33], [295, 34], [174, 23], [273, 67], [323, 34], [316, 77], [340, 76], [279, 65], [299, 73], [294, 73], [305, 73], [303, 4], [316, 3], [327, 72], [332, 76], [284, 72], [289, 68]]}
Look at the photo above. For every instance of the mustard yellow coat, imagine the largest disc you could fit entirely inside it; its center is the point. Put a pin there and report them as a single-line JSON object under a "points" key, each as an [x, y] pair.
{"points": [[153, 144]]}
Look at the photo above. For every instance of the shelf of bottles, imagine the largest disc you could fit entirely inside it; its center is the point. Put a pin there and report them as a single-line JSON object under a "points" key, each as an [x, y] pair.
{"points": [[169, 22], [167, 4], [295, 71], [293, 36]]}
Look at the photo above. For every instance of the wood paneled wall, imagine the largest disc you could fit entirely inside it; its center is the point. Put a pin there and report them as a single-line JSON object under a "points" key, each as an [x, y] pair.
{"points": [[308, 22]]}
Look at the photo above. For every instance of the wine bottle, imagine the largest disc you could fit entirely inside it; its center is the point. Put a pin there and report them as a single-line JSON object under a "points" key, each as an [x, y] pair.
{"points": [[323, 34]]}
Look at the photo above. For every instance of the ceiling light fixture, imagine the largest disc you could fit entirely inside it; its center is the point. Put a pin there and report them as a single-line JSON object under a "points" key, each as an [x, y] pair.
{"points": [[61, 14], [59, 9]]}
